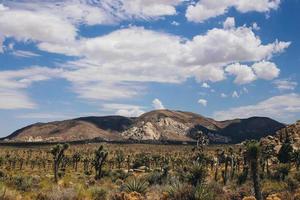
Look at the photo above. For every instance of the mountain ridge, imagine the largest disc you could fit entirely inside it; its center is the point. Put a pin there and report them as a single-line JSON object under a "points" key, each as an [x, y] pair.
{"points": [[156, 125]]}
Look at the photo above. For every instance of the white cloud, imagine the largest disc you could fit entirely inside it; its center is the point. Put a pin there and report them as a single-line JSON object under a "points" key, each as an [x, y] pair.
{"points": [[223, 95], [205, 85], [35, 26], [285, 84], [14, 82], [157, 104], [202, 102], [235, 94], [282, 107], [205, 9], [127, 110], [243, 73], [266, 70], [229, 23], [255, 26], [121, 56], [174, 23], [24, 54], [14, 99]]}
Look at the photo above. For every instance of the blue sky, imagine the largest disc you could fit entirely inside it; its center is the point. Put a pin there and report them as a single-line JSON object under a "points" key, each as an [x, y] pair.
{"points": [[221, 59]]}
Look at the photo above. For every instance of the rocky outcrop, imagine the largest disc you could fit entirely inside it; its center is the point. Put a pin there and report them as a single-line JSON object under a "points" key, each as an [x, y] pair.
{"points": [[290, 133]]}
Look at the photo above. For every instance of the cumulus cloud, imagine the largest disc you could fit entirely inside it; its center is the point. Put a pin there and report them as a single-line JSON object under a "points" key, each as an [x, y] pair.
{"points": [[282, 107], [120, 57], [266, 70], [243, 73], [110, 66], [229, 23], [202, 102], [205, 9], [157, 104], [285, 84]]}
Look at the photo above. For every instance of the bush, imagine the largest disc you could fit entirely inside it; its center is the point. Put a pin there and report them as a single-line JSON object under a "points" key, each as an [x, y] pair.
{"points": [[197, 174], [179, 191], [98, 193], [155, 178], [202, 192], [135, 185], [119, 174], [22, 183]]}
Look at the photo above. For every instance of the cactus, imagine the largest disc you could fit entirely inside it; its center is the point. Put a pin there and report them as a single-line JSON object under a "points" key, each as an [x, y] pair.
{"points": [[99, 160], [58, 154]]}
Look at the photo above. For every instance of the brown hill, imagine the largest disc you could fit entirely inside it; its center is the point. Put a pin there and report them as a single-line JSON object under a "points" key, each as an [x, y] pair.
{"points": [[158, 125]]}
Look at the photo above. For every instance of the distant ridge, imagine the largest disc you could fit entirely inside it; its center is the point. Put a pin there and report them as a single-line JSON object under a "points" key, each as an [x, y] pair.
{"points": [[157, 125]]}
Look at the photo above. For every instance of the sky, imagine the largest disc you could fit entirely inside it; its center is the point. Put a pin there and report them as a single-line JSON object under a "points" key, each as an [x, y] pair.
{"points": [[222, 59]]}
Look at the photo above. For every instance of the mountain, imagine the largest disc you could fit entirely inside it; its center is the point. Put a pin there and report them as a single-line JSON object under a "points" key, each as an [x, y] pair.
{"points": [[290, 132], [157, 125]]}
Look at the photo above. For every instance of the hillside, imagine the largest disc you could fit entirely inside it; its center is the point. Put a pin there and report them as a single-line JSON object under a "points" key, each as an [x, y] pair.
{"points": [[158, 125], [290, 132]]}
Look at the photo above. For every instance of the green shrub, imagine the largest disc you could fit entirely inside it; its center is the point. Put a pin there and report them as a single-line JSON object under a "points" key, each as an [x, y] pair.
{"points": [[197, 174], [22, 183], [135, 185], [181, 191], [98, 193]]}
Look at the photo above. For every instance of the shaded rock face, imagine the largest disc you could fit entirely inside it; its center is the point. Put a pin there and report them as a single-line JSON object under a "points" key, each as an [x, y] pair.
{"points": [[158, 125]]}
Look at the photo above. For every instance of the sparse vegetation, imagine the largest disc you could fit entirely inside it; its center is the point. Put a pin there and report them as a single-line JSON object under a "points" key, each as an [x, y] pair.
{"points": [[146, 172]]}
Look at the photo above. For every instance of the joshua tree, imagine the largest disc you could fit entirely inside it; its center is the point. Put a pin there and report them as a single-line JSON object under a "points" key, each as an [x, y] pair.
{"points": [[253, 154], [99, 160], [76, 158], [120, 157], [58, 154]]}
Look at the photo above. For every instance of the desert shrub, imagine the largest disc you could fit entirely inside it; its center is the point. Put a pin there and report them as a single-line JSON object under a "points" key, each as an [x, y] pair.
{"points": [[202, 192], [239, 193], [98, 193], [22, 183], [61, 194], [155, 178], [135, 185], [180, 191], [281, 172], [118, 174], [141, 159], [271, 187], [125, 196], [197, 174]]}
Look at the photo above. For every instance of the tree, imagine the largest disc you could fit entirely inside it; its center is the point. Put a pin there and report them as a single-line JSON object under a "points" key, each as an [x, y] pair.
{"points": [[253, 153], [76, 158], [285, 154], [120, 158], [58, 154], [100, 156], [296, 159]]}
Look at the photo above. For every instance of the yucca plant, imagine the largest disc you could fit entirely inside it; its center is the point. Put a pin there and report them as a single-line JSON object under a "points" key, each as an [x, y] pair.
{"points": [[136, 185]]}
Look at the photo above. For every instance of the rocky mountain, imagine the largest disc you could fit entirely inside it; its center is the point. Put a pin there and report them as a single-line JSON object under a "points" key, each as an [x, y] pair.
{"points": [[158, 125], [290, 132]]}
